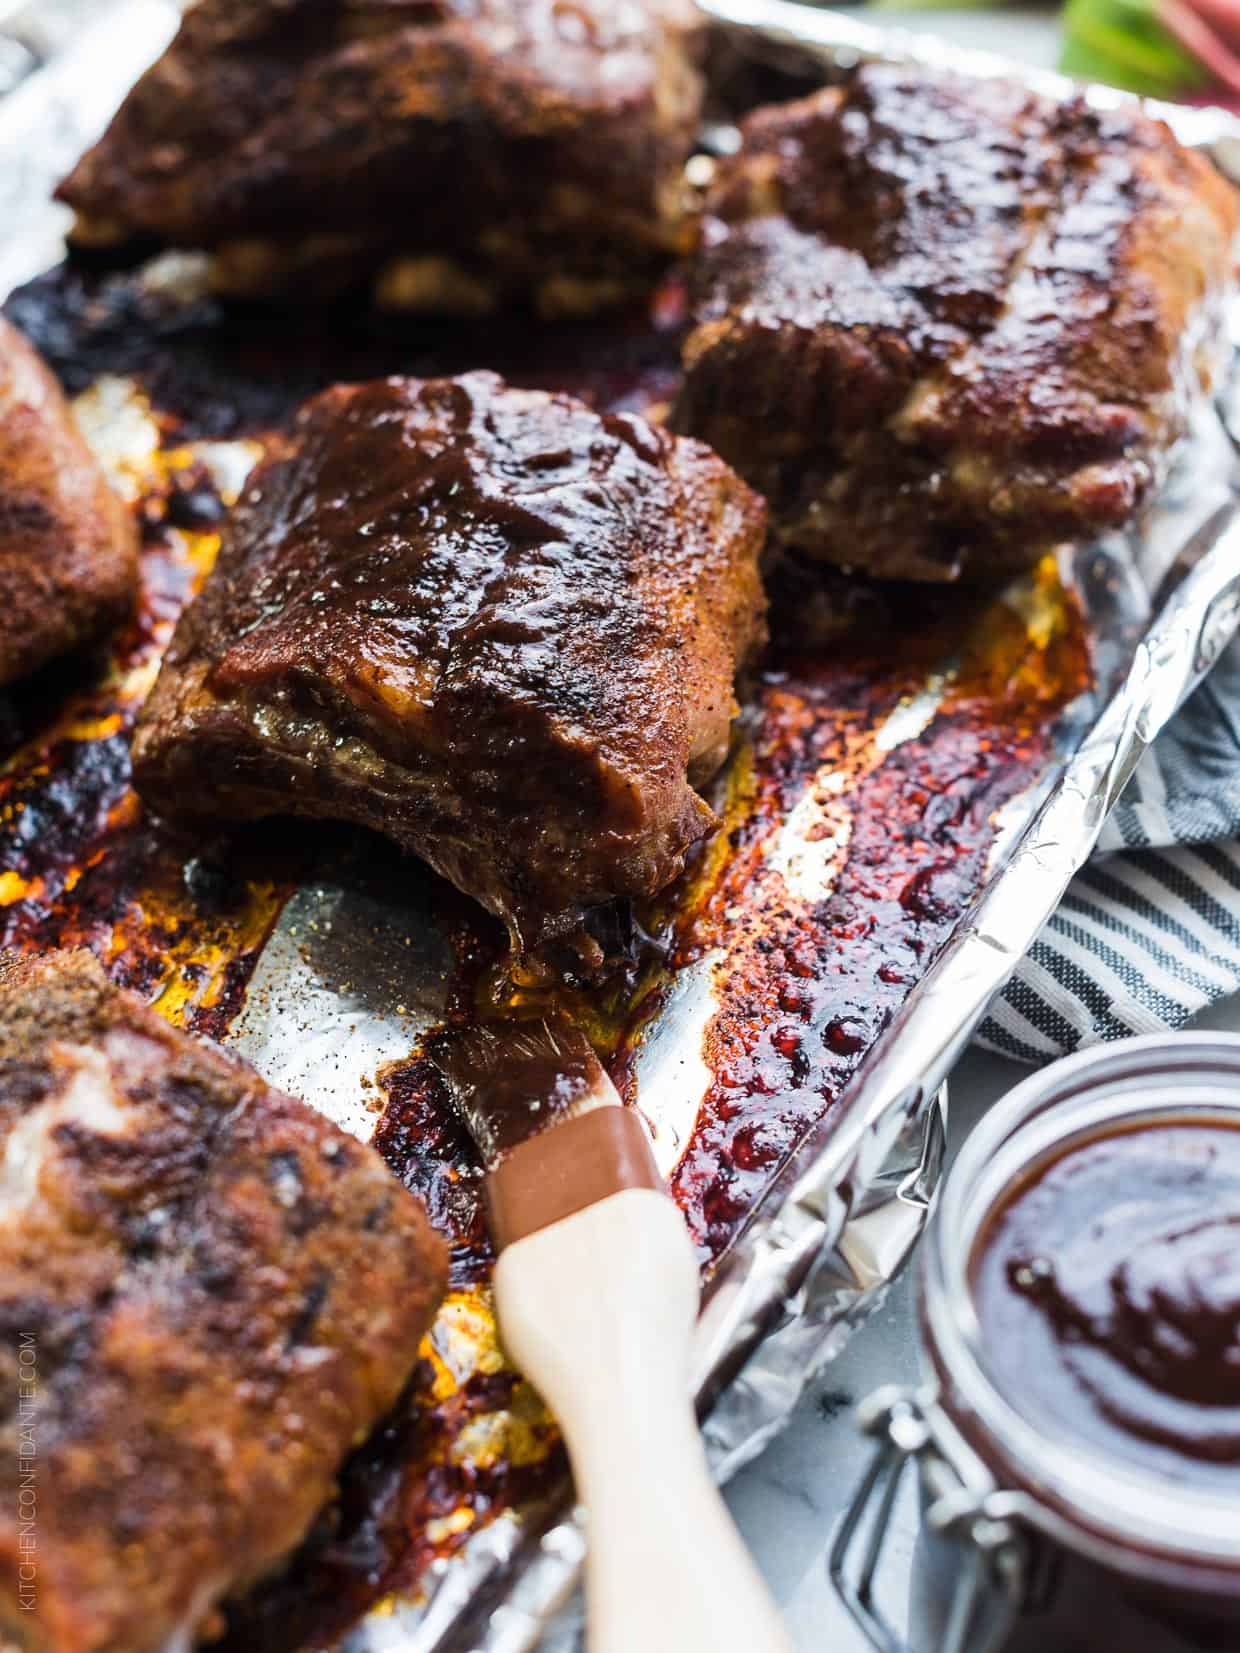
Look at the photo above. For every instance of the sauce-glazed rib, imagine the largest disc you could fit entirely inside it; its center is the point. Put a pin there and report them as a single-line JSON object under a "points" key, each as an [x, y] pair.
{"points": [[460, 151], [208, 1294], [942, 324], [68, 550], [488, 622]]}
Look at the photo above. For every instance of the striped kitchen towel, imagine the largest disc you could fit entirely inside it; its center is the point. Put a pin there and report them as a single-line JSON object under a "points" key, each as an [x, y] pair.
{"points": [[1149, 932]]}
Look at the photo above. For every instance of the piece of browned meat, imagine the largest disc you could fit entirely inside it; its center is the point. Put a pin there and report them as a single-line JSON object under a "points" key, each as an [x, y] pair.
{"points": [[68, 551], [942, 324], [459, 151], [208, 1294], [488, 622]]}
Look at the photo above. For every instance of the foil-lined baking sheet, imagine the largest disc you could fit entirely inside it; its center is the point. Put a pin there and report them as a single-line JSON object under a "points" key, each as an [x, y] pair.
{"points": [[916, 780]]}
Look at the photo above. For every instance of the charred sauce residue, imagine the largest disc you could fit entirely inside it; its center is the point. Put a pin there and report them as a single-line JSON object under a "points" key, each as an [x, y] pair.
{"points": [[814, 958], [79, 866], [813, 937]]}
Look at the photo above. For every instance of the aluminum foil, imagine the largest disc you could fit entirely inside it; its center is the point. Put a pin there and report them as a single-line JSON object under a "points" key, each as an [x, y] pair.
{"points": [[348, 981]]}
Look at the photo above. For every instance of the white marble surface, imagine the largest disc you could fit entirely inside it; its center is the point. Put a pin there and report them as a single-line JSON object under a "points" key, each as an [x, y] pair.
{"points": [[788, 1501]]}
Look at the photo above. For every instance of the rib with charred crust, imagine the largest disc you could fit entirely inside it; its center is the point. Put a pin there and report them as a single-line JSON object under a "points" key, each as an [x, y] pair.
{"points": [[68, 552], [942, 324], [488, 622], [211, 1293], [464, 151]]}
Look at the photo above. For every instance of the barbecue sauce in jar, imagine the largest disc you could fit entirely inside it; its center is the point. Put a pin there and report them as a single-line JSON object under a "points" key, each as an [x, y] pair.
{"points": [[1108, 1292], [1078, 1435]]}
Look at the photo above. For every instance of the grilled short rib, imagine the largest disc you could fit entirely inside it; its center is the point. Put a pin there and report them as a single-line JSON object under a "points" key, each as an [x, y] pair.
{"points": [[489, 622], [942, 324], [208, 1294], [460, 151], [68, 550]]}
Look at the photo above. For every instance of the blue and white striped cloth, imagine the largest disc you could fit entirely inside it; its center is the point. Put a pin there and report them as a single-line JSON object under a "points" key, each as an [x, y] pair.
{"points": [[1149, 932]]}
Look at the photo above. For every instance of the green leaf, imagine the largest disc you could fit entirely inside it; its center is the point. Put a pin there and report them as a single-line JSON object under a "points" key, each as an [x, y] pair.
{"points": [[1122, 43]]}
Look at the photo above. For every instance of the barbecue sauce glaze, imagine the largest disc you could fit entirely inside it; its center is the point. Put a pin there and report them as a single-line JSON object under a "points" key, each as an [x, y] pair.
{"points": [[1108, 1291]]}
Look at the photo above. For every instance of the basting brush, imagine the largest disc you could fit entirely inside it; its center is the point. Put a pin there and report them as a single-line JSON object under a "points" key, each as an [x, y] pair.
{"points": [[596, 1292]]}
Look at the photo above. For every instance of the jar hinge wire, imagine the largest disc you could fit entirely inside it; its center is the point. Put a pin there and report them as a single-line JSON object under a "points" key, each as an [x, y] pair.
{"points": [[963, 1506]]}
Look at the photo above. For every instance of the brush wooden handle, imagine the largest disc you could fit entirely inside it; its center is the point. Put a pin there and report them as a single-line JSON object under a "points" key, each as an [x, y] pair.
{"points": [[598, 1311]]}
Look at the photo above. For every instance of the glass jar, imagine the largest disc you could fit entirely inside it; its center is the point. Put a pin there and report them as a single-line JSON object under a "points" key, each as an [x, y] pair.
{"points": [[1034, 1542]]}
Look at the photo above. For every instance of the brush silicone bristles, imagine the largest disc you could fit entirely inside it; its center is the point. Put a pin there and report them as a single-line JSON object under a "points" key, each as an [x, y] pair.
{"points": [[552, 1131], [511, 1081]]}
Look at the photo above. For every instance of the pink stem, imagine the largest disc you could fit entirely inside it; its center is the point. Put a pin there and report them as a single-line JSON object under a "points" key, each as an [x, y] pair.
{"points": [[1223, 16], [1196, 36]]}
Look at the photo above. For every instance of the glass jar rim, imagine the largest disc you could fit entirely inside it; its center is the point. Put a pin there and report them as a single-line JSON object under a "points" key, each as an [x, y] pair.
{"points": [[1117, 1507]]}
